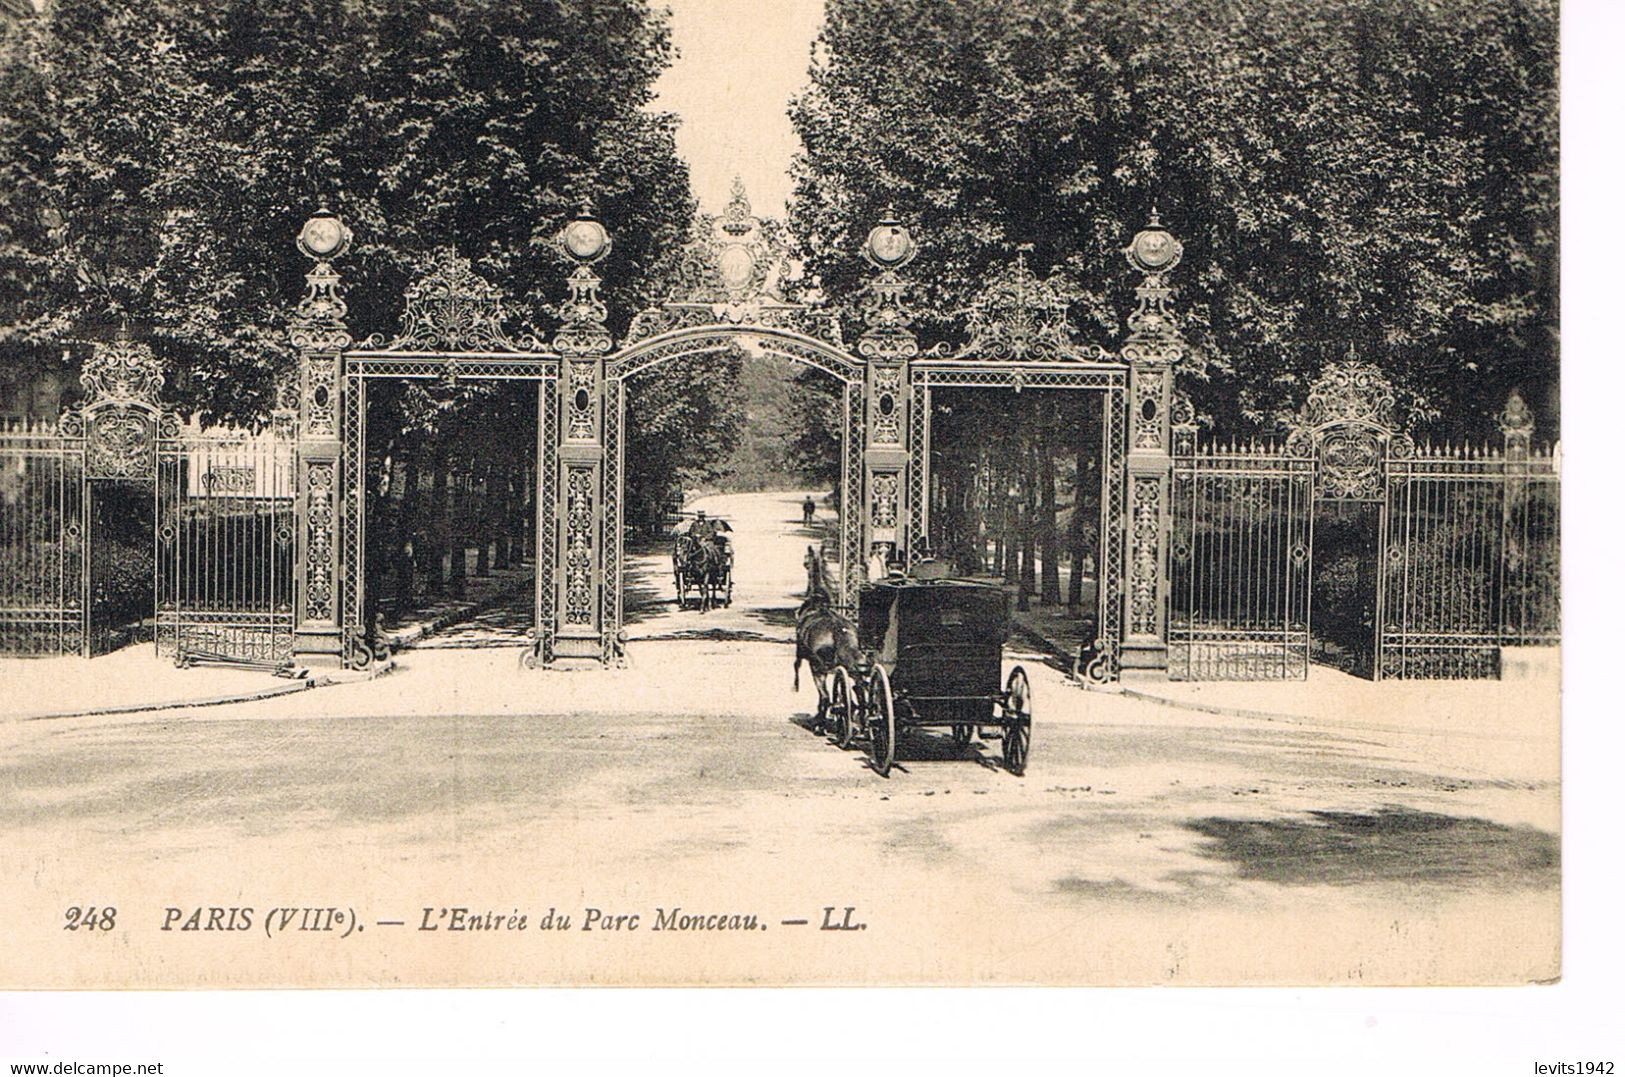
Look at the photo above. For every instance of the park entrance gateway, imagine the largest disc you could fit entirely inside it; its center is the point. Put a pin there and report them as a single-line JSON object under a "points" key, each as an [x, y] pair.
{"points": [[454, 331], [1437, 559]]}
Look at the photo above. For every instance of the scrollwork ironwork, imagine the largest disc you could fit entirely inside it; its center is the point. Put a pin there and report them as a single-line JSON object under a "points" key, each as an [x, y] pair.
{"points": [[451, 308], [320, 480], [1018, 317], [1154, 337], [578, 542], [1146, 525], [318, 321]]}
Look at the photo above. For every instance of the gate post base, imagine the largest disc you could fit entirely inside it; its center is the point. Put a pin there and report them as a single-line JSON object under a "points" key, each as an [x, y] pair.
{"points": [[1143, 661], [320, 646], [574, 652]]}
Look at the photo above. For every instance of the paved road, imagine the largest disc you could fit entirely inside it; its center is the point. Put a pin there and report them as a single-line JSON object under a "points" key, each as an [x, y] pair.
{"points": [[1143, 845]]}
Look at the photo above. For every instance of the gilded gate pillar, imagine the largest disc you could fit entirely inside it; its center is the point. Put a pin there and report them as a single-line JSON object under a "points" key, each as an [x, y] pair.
{"points": [[583, 629], [1153, 347], [887, 344], [320, 336]]}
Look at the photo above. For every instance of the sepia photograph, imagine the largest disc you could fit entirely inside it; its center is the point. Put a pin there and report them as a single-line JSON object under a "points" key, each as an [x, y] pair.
{"points": [[850, 493]]}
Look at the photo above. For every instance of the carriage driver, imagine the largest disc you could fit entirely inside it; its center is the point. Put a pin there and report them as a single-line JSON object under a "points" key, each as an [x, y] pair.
{"points": [[702, 529]]}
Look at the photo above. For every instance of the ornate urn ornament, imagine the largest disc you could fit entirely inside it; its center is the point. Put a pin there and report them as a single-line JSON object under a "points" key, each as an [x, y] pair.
{"points": [[890, 244], [584, 331], [585, 240], [324, 236], [1154, 250]]}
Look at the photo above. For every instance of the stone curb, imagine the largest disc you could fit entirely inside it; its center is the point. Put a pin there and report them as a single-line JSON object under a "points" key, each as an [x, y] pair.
{"points": [[1220, 709], [300, 684], [304, 684], [406, 639]]}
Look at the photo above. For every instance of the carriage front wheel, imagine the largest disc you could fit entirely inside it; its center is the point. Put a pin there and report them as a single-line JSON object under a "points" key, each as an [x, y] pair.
{"points": [[842, 700], [1017, 721], [882, 722]]}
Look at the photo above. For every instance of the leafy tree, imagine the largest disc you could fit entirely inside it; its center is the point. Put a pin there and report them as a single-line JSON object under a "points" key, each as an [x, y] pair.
{"points": [[165, 155], [1361, 170]]}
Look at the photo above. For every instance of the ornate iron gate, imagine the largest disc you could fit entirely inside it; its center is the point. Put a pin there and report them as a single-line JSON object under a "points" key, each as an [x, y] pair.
{"points": [[1239, 562], [43, 603], [225, 546], [1463, 562], [1471, 555]]}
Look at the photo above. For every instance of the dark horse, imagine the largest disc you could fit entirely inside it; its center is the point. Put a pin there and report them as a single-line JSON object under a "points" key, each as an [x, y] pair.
{"points": [[824, 639], [701, 563]]}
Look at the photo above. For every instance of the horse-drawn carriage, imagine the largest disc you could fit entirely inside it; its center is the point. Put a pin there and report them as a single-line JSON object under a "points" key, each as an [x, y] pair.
{"points": [[932, 655], [702, 561]]}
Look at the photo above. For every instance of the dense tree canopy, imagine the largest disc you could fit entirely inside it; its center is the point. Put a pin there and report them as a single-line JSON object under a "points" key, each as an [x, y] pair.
{"points": [[1374, 171], [160, 157]]}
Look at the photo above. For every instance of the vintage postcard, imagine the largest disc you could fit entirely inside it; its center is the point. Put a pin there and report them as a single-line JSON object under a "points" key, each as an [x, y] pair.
{"points": [[793, 492]]}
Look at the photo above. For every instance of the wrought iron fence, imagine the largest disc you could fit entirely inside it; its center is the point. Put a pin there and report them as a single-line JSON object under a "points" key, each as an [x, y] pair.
{"points": [[1471, 561], [1463, 561], [43, 604]]}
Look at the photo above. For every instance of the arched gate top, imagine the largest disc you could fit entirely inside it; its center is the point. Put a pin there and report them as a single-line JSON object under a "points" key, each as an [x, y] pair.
{"points": [[774, 340]]}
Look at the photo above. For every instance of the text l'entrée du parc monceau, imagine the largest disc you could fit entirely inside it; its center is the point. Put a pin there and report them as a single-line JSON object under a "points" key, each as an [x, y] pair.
{"points": [[344, 921]]}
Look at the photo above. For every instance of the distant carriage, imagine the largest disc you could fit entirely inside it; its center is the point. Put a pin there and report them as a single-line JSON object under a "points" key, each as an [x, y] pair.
{"points": [[932, 657], [702, 565]]}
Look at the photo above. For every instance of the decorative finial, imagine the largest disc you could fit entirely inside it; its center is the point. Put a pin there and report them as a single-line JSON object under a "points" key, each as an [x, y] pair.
{"points": [[736, 219], [1516, 418], [1153, 250], [585, 239], [324, 237]]}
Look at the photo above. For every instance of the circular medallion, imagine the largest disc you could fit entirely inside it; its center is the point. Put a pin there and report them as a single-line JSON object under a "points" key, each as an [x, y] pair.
{"points": [[1154, 251], [324, 236], [890, 244], [585, 239], [736, 266]]}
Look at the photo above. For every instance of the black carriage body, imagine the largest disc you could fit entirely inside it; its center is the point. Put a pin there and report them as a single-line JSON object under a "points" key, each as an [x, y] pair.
{"points": [[942, 644]]}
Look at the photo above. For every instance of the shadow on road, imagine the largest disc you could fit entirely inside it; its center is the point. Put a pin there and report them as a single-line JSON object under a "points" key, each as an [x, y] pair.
{"points": [[1388, 845]]}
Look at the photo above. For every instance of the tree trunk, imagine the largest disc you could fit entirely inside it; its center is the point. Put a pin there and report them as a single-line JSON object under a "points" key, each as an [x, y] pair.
{"points": [[406, 544], [458, 531], [1049, 538], [1012, 536], [1075, 532], [503, 509], [487, 520], [1029, 530], [434, 562]]}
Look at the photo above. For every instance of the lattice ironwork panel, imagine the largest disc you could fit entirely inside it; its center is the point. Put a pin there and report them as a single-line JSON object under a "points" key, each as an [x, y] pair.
{"points": [[225, 547], [919, 472], [1113, 516], [853, 505], [1239, 565], [783, 343], [614, 536], [1019, 376], [449, 367], [547, 522], [43, 543], [353, 526]]}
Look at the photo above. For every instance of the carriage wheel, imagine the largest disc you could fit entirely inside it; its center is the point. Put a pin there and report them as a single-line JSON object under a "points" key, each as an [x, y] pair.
{"points": [[882, 722], [840, 707], [1018, 721]]}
